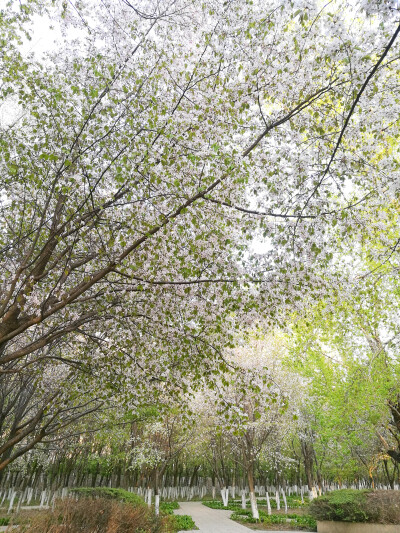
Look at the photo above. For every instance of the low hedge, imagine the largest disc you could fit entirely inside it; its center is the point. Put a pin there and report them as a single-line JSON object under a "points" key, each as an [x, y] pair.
{"points": [[120, 495], [180, 522], [169, 507], [244, 515], [183, 522], [348, 505], [305, 521], [217, 504]]}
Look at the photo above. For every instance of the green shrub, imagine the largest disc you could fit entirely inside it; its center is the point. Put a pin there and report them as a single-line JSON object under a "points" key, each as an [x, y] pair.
{"points": [[302, 522], [381, 506], [217, 504], [306, 522], [4, 521], [244, 515], [169, 507], [272, 519], [120, 495], [295, 501], [242, 512], [183, 522], [342, 505]]}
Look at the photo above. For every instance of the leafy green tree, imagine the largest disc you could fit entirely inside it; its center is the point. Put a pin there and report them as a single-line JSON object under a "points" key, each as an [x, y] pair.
{"points": [[349, 352]]}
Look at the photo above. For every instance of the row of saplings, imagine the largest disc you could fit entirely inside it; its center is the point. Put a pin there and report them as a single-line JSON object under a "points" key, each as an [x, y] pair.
{"points": [[106, 510]]}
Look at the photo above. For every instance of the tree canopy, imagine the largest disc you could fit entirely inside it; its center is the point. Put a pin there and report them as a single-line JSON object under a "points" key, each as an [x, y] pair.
{"points": [[178, 171]]}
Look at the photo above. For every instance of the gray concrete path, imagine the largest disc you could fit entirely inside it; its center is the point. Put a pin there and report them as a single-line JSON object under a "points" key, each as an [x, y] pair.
{"points": [[210, 520], [213, 520]]}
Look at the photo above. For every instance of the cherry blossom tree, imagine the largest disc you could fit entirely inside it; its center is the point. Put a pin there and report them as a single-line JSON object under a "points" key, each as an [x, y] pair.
{"points": [[155, 445], [146, 155], [264, 400], [39, 405]]}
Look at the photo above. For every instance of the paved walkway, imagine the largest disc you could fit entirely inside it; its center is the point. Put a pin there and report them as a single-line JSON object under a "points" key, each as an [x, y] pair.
{"points": [[212, 520]]}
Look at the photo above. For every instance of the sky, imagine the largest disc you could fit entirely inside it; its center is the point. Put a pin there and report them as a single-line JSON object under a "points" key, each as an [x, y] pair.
{"points": [[43, 37]]}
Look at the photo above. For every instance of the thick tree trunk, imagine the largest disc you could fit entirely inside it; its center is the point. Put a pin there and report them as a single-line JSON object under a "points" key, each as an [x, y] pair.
{"points": [[225, 495]]}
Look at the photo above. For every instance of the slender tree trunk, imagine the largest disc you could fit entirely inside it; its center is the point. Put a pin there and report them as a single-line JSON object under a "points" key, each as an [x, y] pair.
{"points": [[253, 500], [156, 492], [118, 481], [193, 476], [175, 478], [95, 474], [389, 478], [308, 464], [318, 469]]}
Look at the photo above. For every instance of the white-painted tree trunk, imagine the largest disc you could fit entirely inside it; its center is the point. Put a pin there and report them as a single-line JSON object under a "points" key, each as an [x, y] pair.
{"points": [[11, 501], [284, 500], [43, 498], [243, 499], [225, 496], [278, 501], [157, 504], [268, 503], [148, 497], [253, 503]]}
